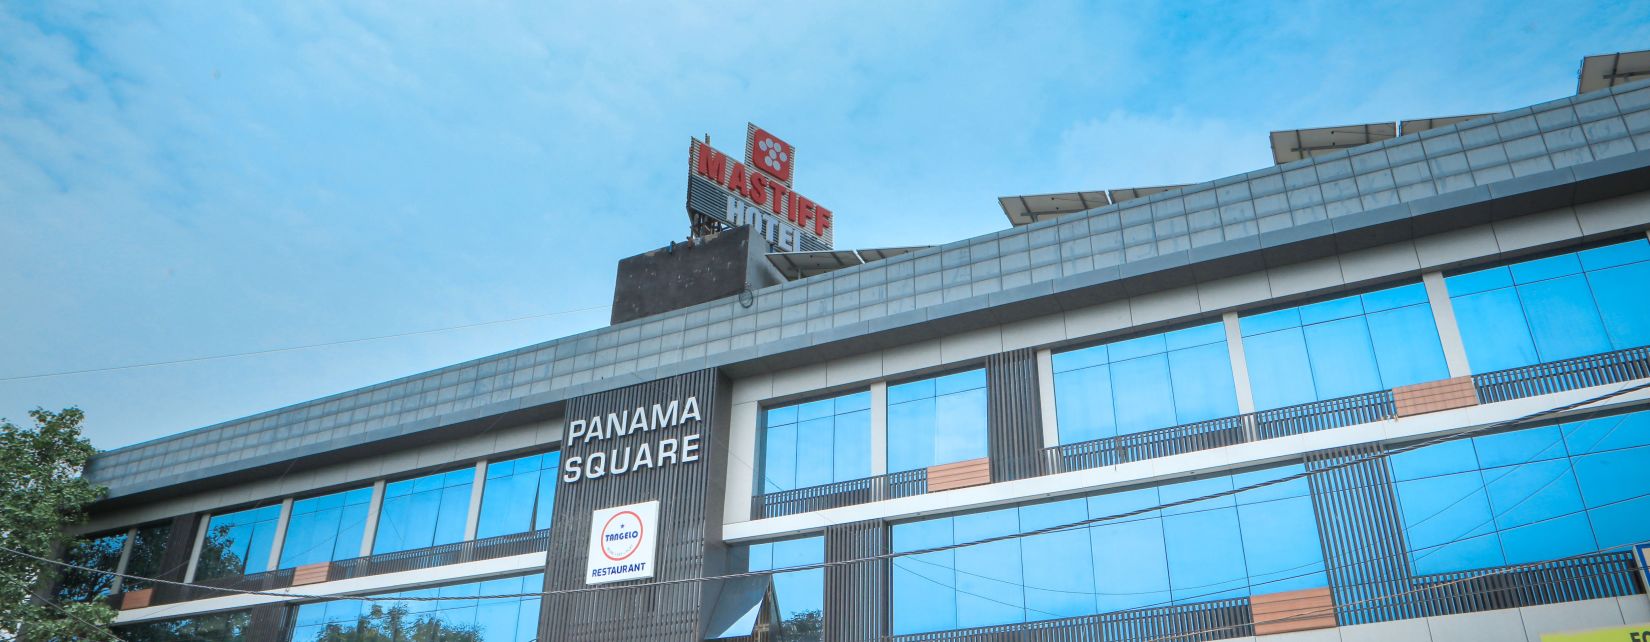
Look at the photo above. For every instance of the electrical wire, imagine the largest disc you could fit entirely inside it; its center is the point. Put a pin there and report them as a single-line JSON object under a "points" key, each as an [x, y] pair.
{"points": [[252, 353], [1354, 461]]}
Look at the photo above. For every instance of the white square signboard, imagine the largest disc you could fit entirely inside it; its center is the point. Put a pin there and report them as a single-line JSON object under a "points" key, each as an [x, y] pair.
{"points": [[623, 543]]}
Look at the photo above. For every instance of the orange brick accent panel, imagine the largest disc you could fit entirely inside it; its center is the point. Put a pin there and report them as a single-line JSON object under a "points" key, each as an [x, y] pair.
{"points": [[1434, 396], [1292, 611], [962, 474], [311, 573], [135, 599]]}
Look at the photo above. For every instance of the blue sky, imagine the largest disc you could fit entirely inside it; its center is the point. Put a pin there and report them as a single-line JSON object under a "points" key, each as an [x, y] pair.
{"points": [[197, 178]]}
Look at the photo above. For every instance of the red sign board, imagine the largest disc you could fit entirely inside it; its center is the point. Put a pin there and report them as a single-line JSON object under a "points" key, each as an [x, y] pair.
{"points": [[768, 153]]}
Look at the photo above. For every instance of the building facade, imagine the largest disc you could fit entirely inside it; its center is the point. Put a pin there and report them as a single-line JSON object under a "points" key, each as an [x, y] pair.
{"points": [[1186, 416]]}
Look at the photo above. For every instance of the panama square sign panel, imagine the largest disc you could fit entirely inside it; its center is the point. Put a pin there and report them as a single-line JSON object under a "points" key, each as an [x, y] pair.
{"points": [[624, 542]]}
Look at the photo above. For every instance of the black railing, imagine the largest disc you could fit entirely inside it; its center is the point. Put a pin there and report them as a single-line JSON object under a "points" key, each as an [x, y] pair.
{"points": [[204, 588], [1324, 415], [1584, 578], [1219, 433], [1216, 620], [1163, 442], [839, 494], [457, 553], [1559, 376]]}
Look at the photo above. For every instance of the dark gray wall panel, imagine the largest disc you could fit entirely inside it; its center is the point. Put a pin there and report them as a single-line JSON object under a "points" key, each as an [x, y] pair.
{"points": [[1016, 420], [856, 595], [689, 522], [1362, 534]]}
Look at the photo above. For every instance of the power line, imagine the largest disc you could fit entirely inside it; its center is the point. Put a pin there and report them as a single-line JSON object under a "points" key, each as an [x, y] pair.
{"points": [[251, 353], [1354, 461]]}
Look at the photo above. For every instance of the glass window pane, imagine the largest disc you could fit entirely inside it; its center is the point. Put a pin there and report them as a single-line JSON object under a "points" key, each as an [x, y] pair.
{"points": [[1622, 304], [1532, 492], [238, 543], [1205, 553], [1552, 539], [830, 442], [814, 451], [1563, 318], [1449, 523], [1131, 565], [1407, 349], [960, 427], [1143, 394], [1342, 358], [1280, 546], [1613, 476], [1607, 433], [1279, 372], [1494, 331], [101, 553], [423, 512], [1202, 381], [1059, 571], [1083, 405], [910, 435]]}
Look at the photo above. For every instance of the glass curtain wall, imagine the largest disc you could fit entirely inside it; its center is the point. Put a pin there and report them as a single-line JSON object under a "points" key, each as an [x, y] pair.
{"points": [[101, 553], [1346, 346], [148, 550], [326, 528], [818, 442], [1556, 308], [800, 594], [238, 543], [424, 512], [519, 496], [937, 421], [1150, 382], [1526, 496], [1257, 542], [511, 619], [232, 626]]}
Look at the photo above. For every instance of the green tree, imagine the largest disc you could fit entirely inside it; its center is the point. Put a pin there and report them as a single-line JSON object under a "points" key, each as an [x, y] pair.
{"points": [[42, 493]]}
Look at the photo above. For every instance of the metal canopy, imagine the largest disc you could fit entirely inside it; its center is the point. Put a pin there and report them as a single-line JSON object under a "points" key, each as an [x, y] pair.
{"points": [[801, 265], [1025, 210], [1295, 144], [1609, 70], [1407, 127]]}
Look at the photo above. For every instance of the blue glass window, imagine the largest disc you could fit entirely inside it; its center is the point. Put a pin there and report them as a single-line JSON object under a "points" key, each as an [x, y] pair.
{"points": [[1258, 542], [1342, 347], [326, 528], [232, 626], [937, 421], [1526, 496], [800, 594], [1556, 308], [1156, 381], [818, 442], [101, 553], [508, 619], [238, 543], [519, 496], [423, 512]]}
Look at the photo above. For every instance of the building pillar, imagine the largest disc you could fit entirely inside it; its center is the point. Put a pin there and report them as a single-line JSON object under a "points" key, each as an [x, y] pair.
{"points": [[472, 521], [1240, 363], [369, 533], [125, 558], [1045, 398], [1449, 333], [279, 540], [200, 525], [879, 428]]}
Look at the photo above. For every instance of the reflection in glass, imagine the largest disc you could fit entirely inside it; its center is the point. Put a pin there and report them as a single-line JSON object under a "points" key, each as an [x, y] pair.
{"points": [[1150, 382], [1342, 347], [424, 512], [800, 594], [233, 626], [238, 543], [326, 528], [101, 553], [818, 442], [1263, 541], [513, 619], [519, 496], [145, 560], [1555, 308], [937, 421]]}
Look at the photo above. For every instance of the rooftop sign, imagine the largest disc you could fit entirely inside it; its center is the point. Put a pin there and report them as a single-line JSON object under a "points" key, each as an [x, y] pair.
{"points": [[723, 191]]}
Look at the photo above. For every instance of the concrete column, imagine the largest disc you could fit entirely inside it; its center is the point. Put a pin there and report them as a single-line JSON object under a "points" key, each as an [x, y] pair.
{"points": [[280, 534], [371, 530], [1045, 398], [473, 521], [1240, 363], [879, 428], [1449, 333], [125, 558], [195, 551]]}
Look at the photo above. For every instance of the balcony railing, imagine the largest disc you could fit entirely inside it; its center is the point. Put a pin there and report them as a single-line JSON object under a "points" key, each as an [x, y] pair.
{"points": [[1591, 577], [1216, 620], [839, 494], [471, 551], [1559, 376], [1218, 433]]}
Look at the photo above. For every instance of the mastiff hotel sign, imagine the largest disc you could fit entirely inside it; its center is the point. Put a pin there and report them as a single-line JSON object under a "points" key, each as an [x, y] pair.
{"points": [[723, 192], [637, 510]]}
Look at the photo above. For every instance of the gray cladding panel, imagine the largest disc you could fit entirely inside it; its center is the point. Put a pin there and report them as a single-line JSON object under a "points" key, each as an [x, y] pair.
{"points": [[856, 595], [689, 495], [1015, 420], [1364, 550], [1574, 149]]}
